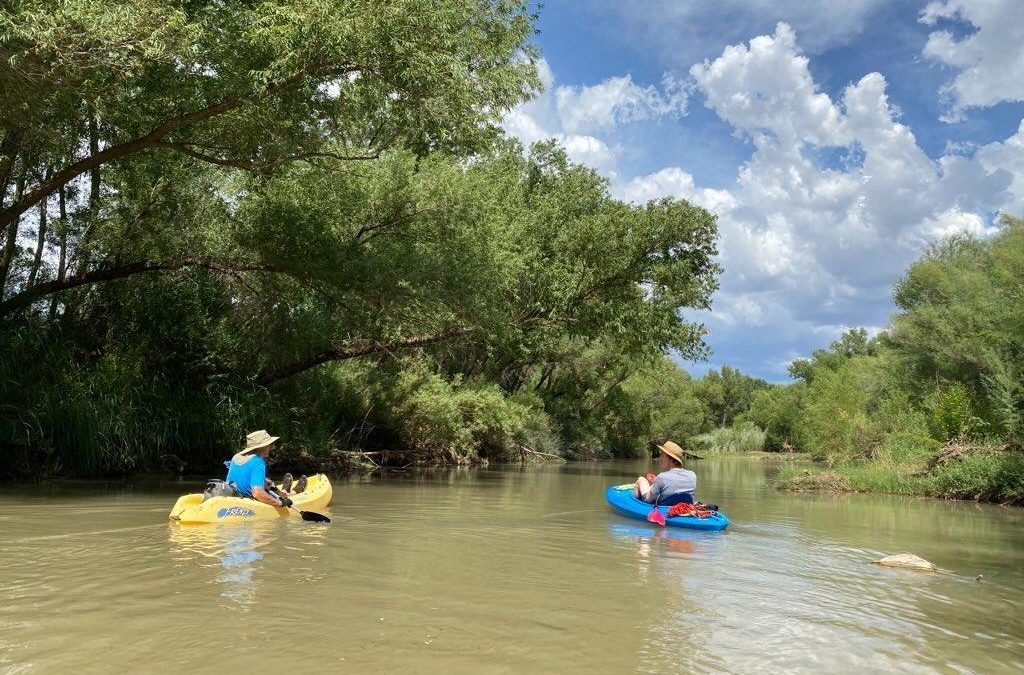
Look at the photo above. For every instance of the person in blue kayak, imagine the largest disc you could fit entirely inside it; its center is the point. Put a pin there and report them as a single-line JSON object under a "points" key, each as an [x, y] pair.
{"points": [[247, 470], [674, 485]]}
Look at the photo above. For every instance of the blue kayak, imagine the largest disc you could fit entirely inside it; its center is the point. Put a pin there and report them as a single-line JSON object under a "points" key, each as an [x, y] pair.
{"points": [[622, 501]]}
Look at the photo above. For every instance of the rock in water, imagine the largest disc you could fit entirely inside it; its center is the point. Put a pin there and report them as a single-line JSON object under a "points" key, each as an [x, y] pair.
{"points": [[908, 561]]}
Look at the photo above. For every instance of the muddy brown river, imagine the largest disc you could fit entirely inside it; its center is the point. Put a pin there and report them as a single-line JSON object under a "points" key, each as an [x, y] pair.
{"points": [[508, 570]]}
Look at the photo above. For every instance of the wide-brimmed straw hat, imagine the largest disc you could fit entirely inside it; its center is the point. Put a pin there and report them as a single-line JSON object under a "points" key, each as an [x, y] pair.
{"points": [[672, 450], [258, 439]]}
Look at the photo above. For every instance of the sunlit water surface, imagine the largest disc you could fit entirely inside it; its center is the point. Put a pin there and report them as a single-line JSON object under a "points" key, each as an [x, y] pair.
{"points": [[508, 570]]}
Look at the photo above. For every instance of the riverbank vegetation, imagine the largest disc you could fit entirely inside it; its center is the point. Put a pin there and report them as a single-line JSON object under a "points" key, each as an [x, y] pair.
{"points": [[303, 216], [934, 404], [741, 438]]}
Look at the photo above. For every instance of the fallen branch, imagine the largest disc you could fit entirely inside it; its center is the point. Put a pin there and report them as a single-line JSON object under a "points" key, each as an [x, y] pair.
{"points": [[528, 450], [956, 450]]}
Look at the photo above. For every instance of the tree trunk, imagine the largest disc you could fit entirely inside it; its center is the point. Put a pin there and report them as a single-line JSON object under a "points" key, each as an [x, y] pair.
{"points": [[549, 369], [63, 255], [83, 252], [41, 239], [11, 240], [94, 199]]}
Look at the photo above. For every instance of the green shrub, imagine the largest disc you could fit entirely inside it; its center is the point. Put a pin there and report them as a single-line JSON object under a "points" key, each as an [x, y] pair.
{"points": [[834, 426], [105, 415], [884, 477], [987, 475], [795, 478], [951, 415], [906, 433], [451, 420], [777, 410]]}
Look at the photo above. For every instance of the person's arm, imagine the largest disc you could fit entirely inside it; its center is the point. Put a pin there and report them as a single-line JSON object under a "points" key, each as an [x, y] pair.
{"points": [[279, 494], [259, 481], [657, 489], [259, 494]]}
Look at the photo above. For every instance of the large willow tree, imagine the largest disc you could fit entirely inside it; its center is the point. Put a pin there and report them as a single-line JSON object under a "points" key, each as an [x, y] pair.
{"points": [[100, 98], [205, 203]]}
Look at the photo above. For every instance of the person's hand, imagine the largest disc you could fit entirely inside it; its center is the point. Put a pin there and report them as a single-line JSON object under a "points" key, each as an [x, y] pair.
{"points": [[285, 501]]}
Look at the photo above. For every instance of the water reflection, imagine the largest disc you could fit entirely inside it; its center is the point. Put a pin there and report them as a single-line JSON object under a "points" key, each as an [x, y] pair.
{"points": [[665, 541], [503, 571], [237, 549], [676, 563]]}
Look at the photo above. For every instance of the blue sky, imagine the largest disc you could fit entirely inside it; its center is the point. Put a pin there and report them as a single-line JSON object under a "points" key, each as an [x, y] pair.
{"points": [[832, 140]]}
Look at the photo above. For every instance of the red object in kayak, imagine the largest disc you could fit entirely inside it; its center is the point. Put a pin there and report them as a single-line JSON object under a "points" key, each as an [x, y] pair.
{"points": [[656, 516]]}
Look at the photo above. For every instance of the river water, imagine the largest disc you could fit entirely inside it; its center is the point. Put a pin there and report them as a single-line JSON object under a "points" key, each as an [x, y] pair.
{"points": [[508, 570]]}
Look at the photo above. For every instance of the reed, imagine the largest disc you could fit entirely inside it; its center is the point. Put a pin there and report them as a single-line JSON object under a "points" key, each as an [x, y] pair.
{"points": [[737, 439]]}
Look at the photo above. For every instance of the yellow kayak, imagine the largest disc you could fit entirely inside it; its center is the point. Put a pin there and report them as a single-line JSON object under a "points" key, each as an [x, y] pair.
{"points": [[192, 509]]}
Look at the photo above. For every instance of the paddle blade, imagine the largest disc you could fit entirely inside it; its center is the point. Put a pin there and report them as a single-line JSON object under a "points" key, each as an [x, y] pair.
{"points": [[314, 517], [656, 516]]}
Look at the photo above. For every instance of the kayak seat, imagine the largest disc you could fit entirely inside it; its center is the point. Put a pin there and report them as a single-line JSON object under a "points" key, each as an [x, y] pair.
{"points": [[677, 498]]}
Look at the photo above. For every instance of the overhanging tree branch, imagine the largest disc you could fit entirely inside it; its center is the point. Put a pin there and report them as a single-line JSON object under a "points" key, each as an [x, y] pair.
{"points": [[354, 351], [188, 149], [26, 297], [145, 142]]}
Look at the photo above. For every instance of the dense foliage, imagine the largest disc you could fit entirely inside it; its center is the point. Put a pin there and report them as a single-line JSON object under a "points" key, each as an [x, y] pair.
{"points": [[934, 404], [301, 215]]}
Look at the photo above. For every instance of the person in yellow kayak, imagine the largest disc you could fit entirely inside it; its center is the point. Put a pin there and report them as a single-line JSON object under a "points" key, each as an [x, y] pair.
{"points": [[247, 470], [674, 485]]}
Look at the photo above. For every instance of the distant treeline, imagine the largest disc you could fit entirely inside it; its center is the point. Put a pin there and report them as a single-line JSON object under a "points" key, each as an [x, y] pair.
{"points": [[932, 405], [304, 217]]}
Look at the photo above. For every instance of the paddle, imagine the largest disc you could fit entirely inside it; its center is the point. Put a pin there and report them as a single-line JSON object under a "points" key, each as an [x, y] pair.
{"points": [[312, 516]]}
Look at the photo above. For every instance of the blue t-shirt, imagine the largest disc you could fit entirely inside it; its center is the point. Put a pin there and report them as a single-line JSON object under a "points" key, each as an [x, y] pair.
{"points": [[247, 472]]}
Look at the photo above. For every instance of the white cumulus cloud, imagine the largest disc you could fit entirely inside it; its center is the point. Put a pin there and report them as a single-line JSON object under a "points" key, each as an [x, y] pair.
{"points": [[1008, 156], [766, 86], [954, 221], [578, 116], [815, 244], [539, 120], [674, 182], [835, 199], [590, 151], [990, 60], [618, 100]]}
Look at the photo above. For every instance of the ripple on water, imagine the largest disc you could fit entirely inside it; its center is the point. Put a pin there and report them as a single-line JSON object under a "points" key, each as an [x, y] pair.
{"points": [[512, 571]]}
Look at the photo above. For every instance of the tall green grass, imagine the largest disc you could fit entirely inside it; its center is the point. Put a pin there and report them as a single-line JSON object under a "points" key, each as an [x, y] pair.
{"points": [[986, 475], [62, 414], [738, 439]]}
